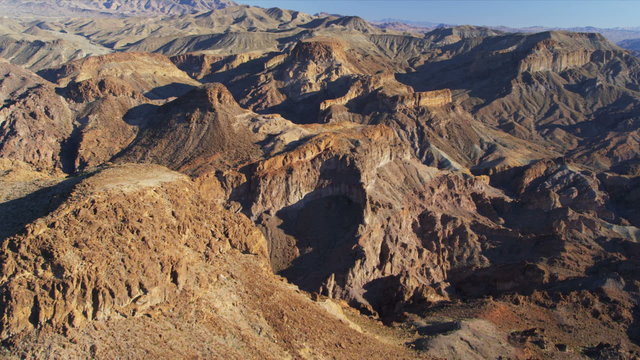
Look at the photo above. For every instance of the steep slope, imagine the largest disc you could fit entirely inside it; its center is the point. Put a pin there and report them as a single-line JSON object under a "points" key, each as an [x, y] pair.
{"points": [[204, 126], [34, 120], [632, 45], [95, 112], [15, 82], [474, 188], [583, 76], [588, 83], [190, 278]]}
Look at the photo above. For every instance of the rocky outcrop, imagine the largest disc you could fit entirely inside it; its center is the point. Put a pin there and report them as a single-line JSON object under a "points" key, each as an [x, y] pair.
{"points": [[15, 82], [542, 59], [200, 66], [38, 50], [74, 282], [141, 248], [429, 99], [354, 91], [104, 131], [95, 89], [434, 98], [376, 242], [468, 174], [562, 51], [34, 129], [363, 86]]}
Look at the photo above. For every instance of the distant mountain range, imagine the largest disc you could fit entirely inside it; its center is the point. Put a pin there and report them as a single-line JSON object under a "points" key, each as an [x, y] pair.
{"points": [[625, 37], [110, 7], [631, 44]]}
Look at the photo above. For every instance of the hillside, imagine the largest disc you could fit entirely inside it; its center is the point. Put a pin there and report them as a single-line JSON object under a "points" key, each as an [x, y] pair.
{"points": [[262, 183], [90, 8]]}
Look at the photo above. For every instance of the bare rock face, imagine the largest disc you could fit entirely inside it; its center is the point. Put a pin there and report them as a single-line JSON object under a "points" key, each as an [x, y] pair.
{"points": [[38, 49], [375, 240], [94, 89], [200, 65], [483, 182], [557, 54], [104, 131], [15, 82], [35, 127], [295, 84], [94, 115], [396, 233], [74, 281]]}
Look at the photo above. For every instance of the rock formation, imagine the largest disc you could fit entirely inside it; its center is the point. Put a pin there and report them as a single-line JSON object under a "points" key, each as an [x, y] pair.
{"points": [[35, 122], [262, 183], [147, 250]]}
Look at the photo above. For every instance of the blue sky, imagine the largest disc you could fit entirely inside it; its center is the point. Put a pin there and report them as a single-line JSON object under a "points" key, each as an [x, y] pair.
{"points": [[517, 13]]}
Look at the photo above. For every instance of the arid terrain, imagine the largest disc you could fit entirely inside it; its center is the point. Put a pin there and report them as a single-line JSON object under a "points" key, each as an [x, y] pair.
{"points": [[204, 179]]}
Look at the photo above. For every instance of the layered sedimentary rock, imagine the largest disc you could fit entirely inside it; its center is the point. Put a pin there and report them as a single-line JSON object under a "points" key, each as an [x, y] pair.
{"points": [[435, 98], [554, 54], [354, 174], [39, 49]]}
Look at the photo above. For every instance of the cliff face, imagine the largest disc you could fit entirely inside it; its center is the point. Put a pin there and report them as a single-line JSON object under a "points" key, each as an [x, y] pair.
{"points": [[96, 111], [436, 98], [378, 238], [562, 51]]}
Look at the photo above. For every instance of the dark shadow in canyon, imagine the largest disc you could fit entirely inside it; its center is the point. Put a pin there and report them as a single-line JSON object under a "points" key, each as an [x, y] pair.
{"points": [[325, 231]]}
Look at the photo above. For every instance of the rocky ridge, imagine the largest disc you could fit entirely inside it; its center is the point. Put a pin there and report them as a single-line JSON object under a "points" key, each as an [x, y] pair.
{"points": [[88, 8], [186, 261], [468, 186]]}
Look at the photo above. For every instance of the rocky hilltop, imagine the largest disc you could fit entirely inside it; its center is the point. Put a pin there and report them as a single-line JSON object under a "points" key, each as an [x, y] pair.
{"points": [[263, 183]]}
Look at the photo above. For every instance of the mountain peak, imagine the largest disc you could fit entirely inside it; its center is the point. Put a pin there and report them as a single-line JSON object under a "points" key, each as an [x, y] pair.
{"points": [[111, 7]]}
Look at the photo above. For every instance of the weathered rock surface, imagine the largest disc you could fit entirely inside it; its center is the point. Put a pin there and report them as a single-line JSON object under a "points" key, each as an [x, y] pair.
{"points": [[34, 121], [60, 279], [142, 248], [38, 49]]}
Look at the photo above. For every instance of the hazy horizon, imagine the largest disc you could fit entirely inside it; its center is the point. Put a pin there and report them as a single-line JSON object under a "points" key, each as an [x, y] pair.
{"points": [[563, 13]]}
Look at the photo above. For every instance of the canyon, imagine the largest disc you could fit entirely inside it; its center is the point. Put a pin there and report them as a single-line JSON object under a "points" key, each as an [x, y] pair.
{"points": [[213, 180]]}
